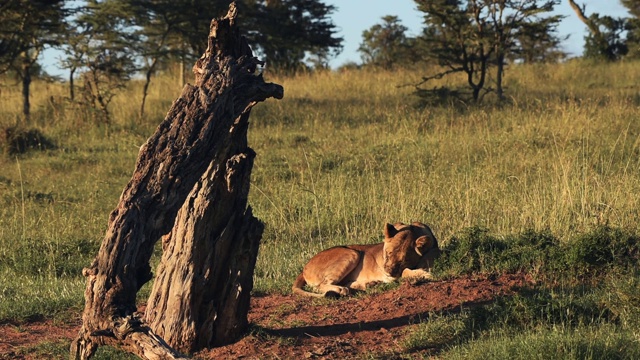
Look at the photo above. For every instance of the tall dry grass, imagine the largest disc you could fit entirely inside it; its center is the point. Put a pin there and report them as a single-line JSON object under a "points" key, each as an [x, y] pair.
{"points": [[339, 156]]}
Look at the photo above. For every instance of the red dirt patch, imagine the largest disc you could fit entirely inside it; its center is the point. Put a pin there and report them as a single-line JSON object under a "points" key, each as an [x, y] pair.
{"points": [[15, 337], [288, 327]]}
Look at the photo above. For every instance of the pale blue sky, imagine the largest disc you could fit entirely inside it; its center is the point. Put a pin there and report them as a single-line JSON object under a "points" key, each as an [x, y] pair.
{"points": [[354, 16]]}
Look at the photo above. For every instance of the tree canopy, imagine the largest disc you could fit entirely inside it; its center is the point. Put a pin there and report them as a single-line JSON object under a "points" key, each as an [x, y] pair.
{"points": [[475, 36], [633, 27], [386, 44], [106, 42], [26, 28], [282, 32], [610, 38]]}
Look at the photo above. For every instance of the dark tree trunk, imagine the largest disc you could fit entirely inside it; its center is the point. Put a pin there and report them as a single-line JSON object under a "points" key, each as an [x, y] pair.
{"points": [[71, 86], [26, 84], [198, 140], [499, 75], [145, 88], [150, 71]]}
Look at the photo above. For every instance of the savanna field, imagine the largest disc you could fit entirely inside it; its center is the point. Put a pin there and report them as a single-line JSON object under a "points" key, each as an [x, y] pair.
{"points": [[546, 183]]}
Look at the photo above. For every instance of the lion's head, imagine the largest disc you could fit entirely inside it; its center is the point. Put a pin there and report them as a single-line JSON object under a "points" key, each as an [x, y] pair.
{"points": [[406, 246]]}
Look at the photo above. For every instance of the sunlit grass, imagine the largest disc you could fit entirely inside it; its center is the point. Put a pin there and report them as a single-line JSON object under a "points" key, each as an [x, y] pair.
{"points": [[546, 321], [579, 344], [344, 153], [27, 296], [58, 350]]}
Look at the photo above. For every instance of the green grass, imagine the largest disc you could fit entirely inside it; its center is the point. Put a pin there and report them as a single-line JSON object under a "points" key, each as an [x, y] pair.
{"points": [[60, 350], [593, 252], [558, 321], [580, 343], [545, 183]]}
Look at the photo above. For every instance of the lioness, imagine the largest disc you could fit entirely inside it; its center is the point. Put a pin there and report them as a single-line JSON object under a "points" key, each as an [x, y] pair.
{"points": [[407, 251]]}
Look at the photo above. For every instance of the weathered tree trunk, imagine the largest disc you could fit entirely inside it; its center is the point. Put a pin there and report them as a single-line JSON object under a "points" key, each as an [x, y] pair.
{"points": [[499, 73], [71, 86], [199, 133], [200, 297], [26, 85]]}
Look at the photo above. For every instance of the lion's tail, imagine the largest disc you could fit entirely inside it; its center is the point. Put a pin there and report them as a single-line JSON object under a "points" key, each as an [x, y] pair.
{"points": [[298, 287]]}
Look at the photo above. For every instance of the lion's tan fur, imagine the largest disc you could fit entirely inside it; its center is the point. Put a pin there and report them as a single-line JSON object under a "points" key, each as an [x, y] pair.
{"points": [[407, 251]]}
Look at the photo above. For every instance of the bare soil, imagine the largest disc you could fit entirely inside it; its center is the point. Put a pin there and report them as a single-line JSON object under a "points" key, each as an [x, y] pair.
{"points": [[291, 327]]}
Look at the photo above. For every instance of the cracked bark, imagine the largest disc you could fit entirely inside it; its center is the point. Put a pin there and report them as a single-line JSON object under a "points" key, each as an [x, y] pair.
{"points": [[196, 167]]}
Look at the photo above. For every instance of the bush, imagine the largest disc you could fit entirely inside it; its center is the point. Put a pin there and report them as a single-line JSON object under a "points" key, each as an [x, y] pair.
{"points": [[476, 251], [16, 140], [602, 247]]}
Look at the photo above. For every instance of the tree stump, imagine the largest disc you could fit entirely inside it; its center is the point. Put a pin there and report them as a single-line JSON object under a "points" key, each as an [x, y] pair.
{"points": [[196, 164], [200, 297]]}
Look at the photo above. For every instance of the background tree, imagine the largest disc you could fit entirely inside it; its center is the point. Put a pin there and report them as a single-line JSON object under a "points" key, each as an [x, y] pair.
{"points": [[605, 38], [157, 21], [475, 35], [106, 50], [511, 19], [458, 40], [286, 32], [386, 44], [538, 41], [186, 22], [283, 32], [76, 45], [633, 27], [26, 28]]}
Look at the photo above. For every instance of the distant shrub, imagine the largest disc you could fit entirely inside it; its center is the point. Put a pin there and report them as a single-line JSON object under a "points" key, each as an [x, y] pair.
{"points": [[17, 140], [602, 247], [477, 251]]}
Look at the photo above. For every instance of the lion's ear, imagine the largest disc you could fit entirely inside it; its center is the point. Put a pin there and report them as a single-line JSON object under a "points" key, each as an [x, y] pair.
{"points": [[423, 243], [389, 231]]}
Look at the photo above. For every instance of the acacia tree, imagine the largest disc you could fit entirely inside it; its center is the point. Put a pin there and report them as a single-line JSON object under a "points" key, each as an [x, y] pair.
{"points": [[26, 28], [285, 32], [538, 41], [510, 18], [473, 36], [157, 21], [76, 40], [605, 37], [103, 48], [386, 44], [633, 27], [458, 39]]}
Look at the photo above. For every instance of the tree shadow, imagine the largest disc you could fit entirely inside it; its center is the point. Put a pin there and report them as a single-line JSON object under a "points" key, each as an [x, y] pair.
{"points": [[374, 325]]}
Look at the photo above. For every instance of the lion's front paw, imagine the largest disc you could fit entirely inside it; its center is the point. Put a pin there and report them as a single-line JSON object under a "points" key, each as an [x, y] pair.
{"points": [[373, 283], [337, 292], [417, 273], [417, 276]]}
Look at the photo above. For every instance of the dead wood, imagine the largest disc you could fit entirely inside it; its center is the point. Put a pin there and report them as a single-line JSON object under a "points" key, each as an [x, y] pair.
{"points": [[200, 297], [201, 131]]}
